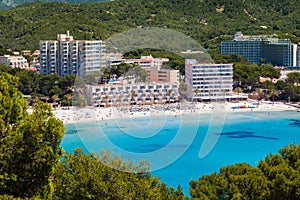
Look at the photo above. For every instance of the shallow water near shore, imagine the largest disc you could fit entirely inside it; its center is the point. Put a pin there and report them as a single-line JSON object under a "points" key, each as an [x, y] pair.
{"points": [[172, 143]]}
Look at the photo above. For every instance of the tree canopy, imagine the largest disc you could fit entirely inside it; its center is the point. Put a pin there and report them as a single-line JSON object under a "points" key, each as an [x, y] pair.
{"points": [[275, 177], [29, 143], [82, 176], [249, 74], [42, 86], [208, 22]]}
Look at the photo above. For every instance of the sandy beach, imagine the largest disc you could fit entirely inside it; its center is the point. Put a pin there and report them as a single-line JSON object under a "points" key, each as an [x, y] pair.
{"points": [[83, 115]]}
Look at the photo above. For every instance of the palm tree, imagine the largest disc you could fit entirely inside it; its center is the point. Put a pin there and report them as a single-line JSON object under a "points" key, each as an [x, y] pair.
{"points": [[209, 93], [169, 94], [182, 90], [260, 94], [132, 95], [154, 96], [55, 98], [197, 91], [119, 101], [68, 97], [47, 99], [273, 93], [238, 90], [113, 91], [106, 100]]}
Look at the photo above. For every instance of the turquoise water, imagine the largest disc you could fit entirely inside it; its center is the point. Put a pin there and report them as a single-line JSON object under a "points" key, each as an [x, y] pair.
{"points": [[172, 144]]}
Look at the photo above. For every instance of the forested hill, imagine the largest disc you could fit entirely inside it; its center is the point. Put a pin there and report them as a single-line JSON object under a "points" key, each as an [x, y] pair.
{"points": [[23, 26], [5, 4]]}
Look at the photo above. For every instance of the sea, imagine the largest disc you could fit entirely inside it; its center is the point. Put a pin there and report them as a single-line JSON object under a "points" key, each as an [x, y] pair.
{"points": [[181, 148]]}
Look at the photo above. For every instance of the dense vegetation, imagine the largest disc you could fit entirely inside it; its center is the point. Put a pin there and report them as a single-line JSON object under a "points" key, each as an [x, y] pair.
{"points": [[81, 176], [122, 69], [29, 143], [9, 4], [207, 22], [248, 76], [275, 177], [49, 88]]}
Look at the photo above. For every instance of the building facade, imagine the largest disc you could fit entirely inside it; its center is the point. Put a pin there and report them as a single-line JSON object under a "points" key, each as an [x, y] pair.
{"points": [[118, 94], [145, 62], [68, 56], [252, 50], [155, 72], [298, 55], [159, 75], [208, 81], [14, 61], [280, 54], [262, 49], [114, 59]]}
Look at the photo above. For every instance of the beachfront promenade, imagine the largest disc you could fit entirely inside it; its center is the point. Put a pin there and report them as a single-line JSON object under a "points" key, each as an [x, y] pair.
{"points": [[91, 114]]}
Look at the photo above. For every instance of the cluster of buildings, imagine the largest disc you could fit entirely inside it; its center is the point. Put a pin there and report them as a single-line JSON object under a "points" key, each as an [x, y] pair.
{"points": [[14, 61], [162, 86], [68, 56], [17, 60], [263, 49], [153, 66], [205, 81]]}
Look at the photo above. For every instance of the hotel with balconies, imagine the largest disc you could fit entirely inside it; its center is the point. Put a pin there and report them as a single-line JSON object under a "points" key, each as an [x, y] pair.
{"points": [[117, 94], [208, 81], [68, 56]]}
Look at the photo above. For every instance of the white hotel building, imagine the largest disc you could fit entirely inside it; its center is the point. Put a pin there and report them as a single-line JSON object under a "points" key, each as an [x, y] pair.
{"points": [[208, 81], [116, 94], [14, 61], [68, 56]]}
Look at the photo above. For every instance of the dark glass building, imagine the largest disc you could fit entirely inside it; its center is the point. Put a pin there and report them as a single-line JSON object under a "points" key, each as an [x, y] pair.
{"points": [[262, 49], [252, 50], [280, 54]]}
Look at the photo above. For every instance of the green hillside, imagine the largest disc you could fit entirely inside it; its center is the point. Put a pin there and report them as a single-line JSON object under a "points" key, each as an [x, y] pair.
{"points": [[205, 21], [6, 4]]}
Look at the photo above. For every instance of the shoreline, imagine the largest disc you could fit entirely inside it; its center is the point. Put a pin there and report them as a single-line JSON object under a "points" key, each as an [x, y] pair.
{"points": [[89, 114]]}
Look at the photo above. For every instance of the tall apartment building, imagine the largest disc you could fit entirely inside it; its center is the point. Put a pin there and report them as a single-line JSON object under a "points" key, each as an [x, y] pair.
{"points": [[68, 56], [14, 61], [208, 81], [262, 49]]}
